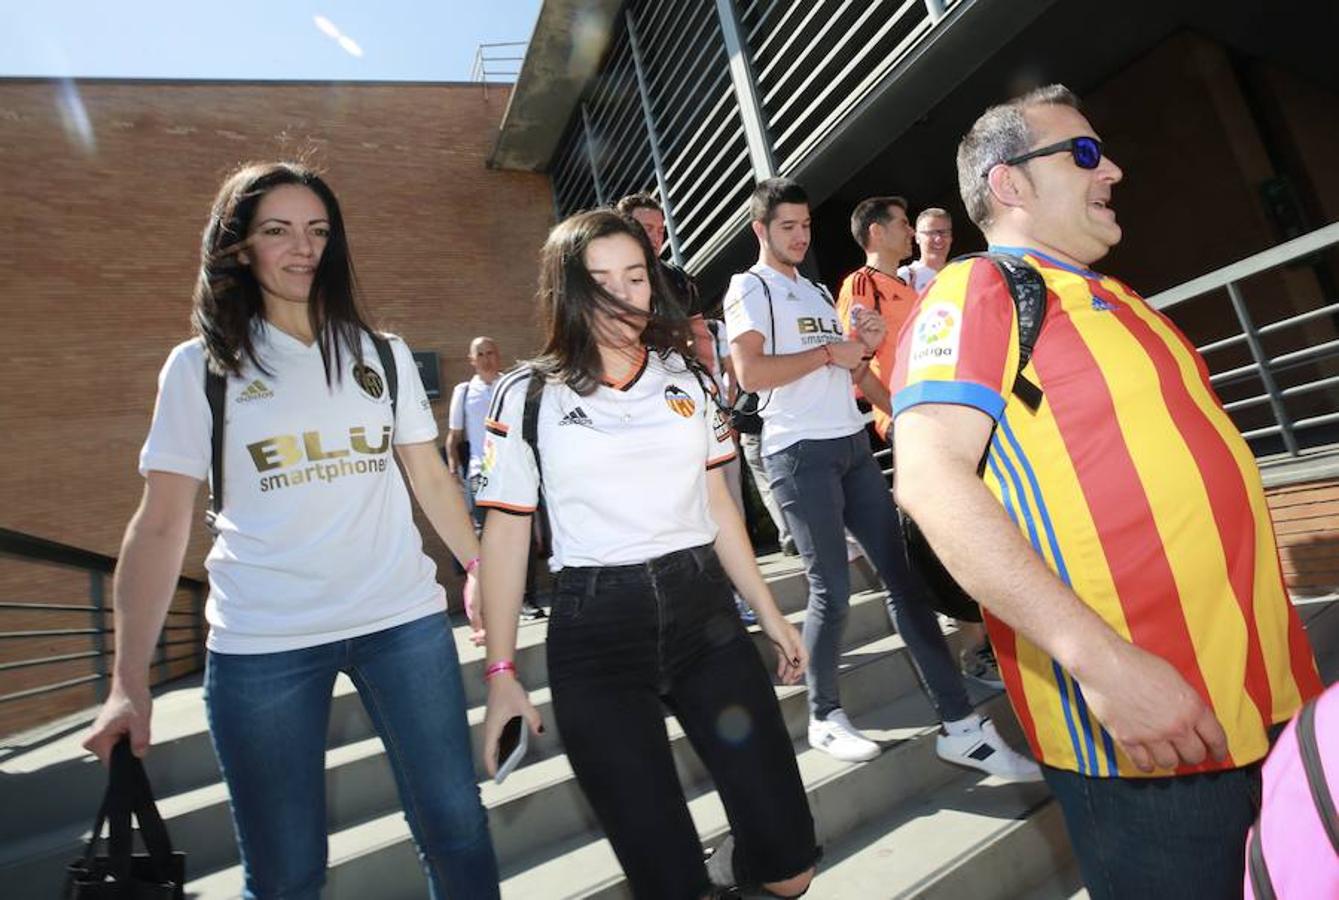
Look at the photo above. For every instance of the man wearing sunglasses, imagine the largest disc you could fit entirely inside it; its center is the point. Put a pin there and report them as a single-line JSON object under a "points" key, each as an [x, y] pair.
{"points": [[1117, 536]]}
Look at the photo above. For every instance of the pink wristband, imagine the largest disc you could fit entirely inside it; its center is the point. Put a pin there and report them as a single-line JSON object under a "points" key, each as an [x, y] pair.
{"points": [[472, 566], [497, 668]]}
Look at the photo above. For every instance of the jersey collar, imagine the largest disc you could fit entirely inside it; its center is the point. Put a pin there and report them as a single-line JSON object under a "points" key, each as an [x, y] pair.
{"points": [[1046, 258], [632, 378]]}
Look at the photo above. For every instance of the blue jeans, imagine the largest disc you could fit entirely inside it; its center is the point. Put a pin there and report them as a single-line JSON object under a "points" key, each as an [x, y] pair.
{"points": [[825, 487], [268, 715], [1159, 837]]}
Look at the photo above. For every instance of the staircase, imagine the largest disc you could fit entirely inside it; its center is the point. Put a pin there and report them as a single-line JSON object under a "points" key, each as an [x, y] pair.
{"points": [[903, 825]]}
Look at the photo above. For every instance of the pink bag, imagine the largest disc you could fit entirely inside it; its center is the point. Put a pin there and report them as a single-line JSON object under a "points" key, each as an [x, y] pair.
{"points": [[1292, 853]]}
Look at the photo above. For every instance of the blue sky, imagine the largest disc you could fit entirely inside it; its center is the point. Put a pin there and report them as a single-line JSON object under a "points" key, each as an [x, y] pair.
{"points": [[378, 40]]}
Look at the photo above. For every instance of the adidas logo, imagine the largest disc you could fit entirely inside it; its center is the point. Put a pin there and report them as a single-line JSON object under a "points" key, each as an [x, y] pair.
{"points": [[256, 390], [1102, 305], [577, 417]]}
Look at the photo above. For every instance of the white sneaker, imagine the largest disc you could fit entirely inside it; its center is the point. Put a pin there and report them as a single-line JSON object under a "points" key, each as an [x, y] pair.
{"points": [[975, 743], [837, 737]]}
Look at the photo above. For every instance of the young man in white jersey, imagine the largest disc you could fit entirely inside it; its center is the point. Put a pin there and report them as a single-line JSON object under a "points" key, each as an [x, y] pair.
{"points": [[934, 237], [788, 343]]}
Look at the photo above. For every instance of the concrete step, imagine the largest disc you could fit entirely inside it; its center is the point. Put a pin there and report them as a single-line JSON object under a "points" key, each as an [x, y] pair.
{"points": [[842, 796], [974, 837], [49, 774], [360, 786], [540, 813]]}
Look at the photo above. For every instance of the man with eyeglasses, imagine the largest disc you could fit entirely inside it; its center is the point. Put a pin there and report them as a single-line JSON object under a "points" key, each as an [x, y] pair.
{"points": [[1117, 535], [934, 237]]}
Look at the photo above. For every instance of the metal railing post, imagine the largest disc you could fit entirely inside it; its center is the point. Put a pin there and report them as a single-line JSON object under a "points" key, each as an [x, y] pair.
{"points": [[1262, 361], [746, 91], [590, 154], [657, 161], [97, 599]]}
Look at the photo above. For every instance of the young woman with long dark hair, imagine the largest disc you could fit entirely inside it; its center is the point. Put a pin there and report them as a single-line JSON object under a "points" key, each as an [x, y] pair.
{"points": [[317, 568], [647, 541]]}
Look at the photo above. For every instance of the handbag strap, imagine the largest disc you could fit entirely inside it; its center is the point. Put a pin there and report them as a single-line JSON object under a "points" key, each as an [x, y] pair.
{"points": [[128, 792]]}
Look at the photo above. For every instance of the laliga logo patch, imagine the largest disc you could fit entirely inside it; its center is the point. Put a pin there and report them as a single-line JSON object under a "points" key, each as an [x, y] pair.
{"points": [[680, 402], [490, 456], [938, 331], [370, 380]]}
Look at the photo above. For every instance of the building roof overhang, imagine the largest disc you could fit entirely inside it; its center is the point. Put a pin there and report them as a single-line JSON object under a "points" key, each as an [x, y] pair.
{"points": [[565, 51]]}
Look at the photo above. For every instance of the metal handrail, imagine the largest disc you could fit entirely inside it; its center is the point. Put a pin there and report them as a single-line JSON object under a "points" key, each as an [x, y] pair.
{"points": [[1263, 366], [30, 548]]}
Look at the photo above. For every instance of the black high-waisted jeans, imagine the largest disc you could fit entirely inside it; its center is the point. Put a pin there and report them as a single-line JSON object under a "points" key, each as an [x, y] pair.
{"points": [[625, 642]]}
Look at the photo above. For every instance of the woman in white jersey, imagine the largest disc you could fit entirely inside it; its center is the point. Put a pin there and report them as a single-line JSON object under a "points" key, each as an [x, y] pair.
{"points": [[317, 567], [646, 541]]}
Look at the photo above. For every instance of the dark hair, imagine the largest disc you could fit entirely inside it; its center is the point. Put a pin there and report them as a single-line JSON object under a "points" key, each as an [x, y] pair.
{"points": [[569, 299], [869, 211], [227, 296], [633, 202], [771, 193], [1000, 133]]}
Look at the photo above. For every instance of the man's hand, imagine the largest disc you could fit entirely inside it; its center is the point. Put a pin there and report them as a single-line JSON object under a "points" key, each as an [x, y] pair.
{"points": [[847, 354], [1150, 710], [869, 328]]}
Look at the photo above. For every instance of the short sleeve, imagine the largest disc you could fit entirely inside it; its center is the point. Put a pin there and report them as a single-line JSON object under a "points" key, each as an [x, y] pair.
{"points": [[960, 344], [746, 308], [179, 436], [509, 478], [414, 423], [720, 440], [455, 416]]}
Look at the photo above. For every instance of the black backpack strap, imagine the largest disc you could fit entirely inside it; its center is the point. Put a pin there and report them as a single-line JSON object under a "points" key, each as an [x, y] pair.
{"points": [[1309, 749], [771, 318], [216, 391], [534, 396], [388, 368], [1028, 290]]}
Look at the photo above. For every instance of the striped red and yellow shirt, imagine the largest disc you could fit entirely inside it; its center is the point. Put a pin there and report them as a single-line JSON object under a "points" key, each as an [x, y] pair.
{"points": [[1136, 489]]}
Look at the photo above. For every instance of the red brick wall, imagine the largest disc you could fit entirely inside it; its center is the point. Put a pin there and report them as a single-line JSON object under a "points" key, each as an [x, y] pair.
{"points": [[99, 240], [1306, 520]]}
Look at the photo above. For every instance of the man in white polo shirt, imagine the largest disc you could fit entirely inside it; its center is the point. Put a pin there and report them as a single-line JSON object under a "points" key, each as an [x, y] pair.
{"points": [[789, 344], [465, 425]]}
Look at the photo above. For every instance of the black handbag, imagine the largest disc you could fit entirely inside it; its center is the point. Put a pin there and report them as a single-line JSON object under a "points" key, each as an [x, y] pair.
{"points": [[122, 874]]}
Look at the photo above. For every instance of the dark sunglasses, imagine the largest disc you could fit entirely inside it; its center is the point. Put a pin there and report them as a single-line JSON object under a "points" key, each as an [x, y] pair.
{"points": [[1087, 153]]}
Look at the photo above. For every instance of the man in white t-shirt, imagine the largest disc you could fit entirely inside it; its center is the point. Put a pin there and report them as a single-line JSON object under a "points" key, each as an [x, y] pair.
{"points": [[934, 237], [465, 418], [465, 426], [789, 343]]}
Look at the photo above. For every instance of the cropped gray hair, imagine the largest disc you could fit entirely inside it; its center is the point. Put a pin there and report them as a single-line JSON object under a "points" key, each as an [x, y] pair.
{"points": [[1000, 133]]}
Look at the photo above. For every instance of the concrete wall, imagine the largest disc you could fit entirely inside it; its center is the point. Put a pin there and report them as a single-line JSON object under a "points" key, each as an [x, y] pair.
{"points": [[107, 186]]}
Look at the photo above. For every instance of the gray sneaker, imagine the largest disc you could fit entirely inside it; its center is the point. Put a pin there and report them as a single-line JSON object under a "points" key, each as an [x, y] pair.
{"points": [[978, 663]]}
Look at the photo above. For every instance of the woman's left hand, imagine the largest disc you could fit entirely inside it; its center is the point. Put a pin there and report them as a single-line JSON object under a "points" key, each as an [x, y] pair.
{"points": [[792, 657]]}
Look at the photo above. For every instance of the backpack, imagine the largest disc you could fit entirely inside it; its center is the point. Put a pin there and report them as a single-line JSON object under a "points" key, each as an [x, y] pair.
{"points": [[1298, 811], [216, 391], [1028, 291]]}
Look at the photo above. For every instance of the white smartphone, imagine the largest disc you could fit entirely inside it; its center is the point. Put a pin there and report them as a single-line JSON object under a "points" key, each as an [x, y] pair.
{"points": [[511, 747]]}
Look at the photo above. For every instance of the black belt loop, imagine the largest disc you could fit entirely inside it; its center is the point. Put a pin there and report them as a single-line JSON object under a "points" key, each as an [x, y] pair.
{"points": [[592, 581]]}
